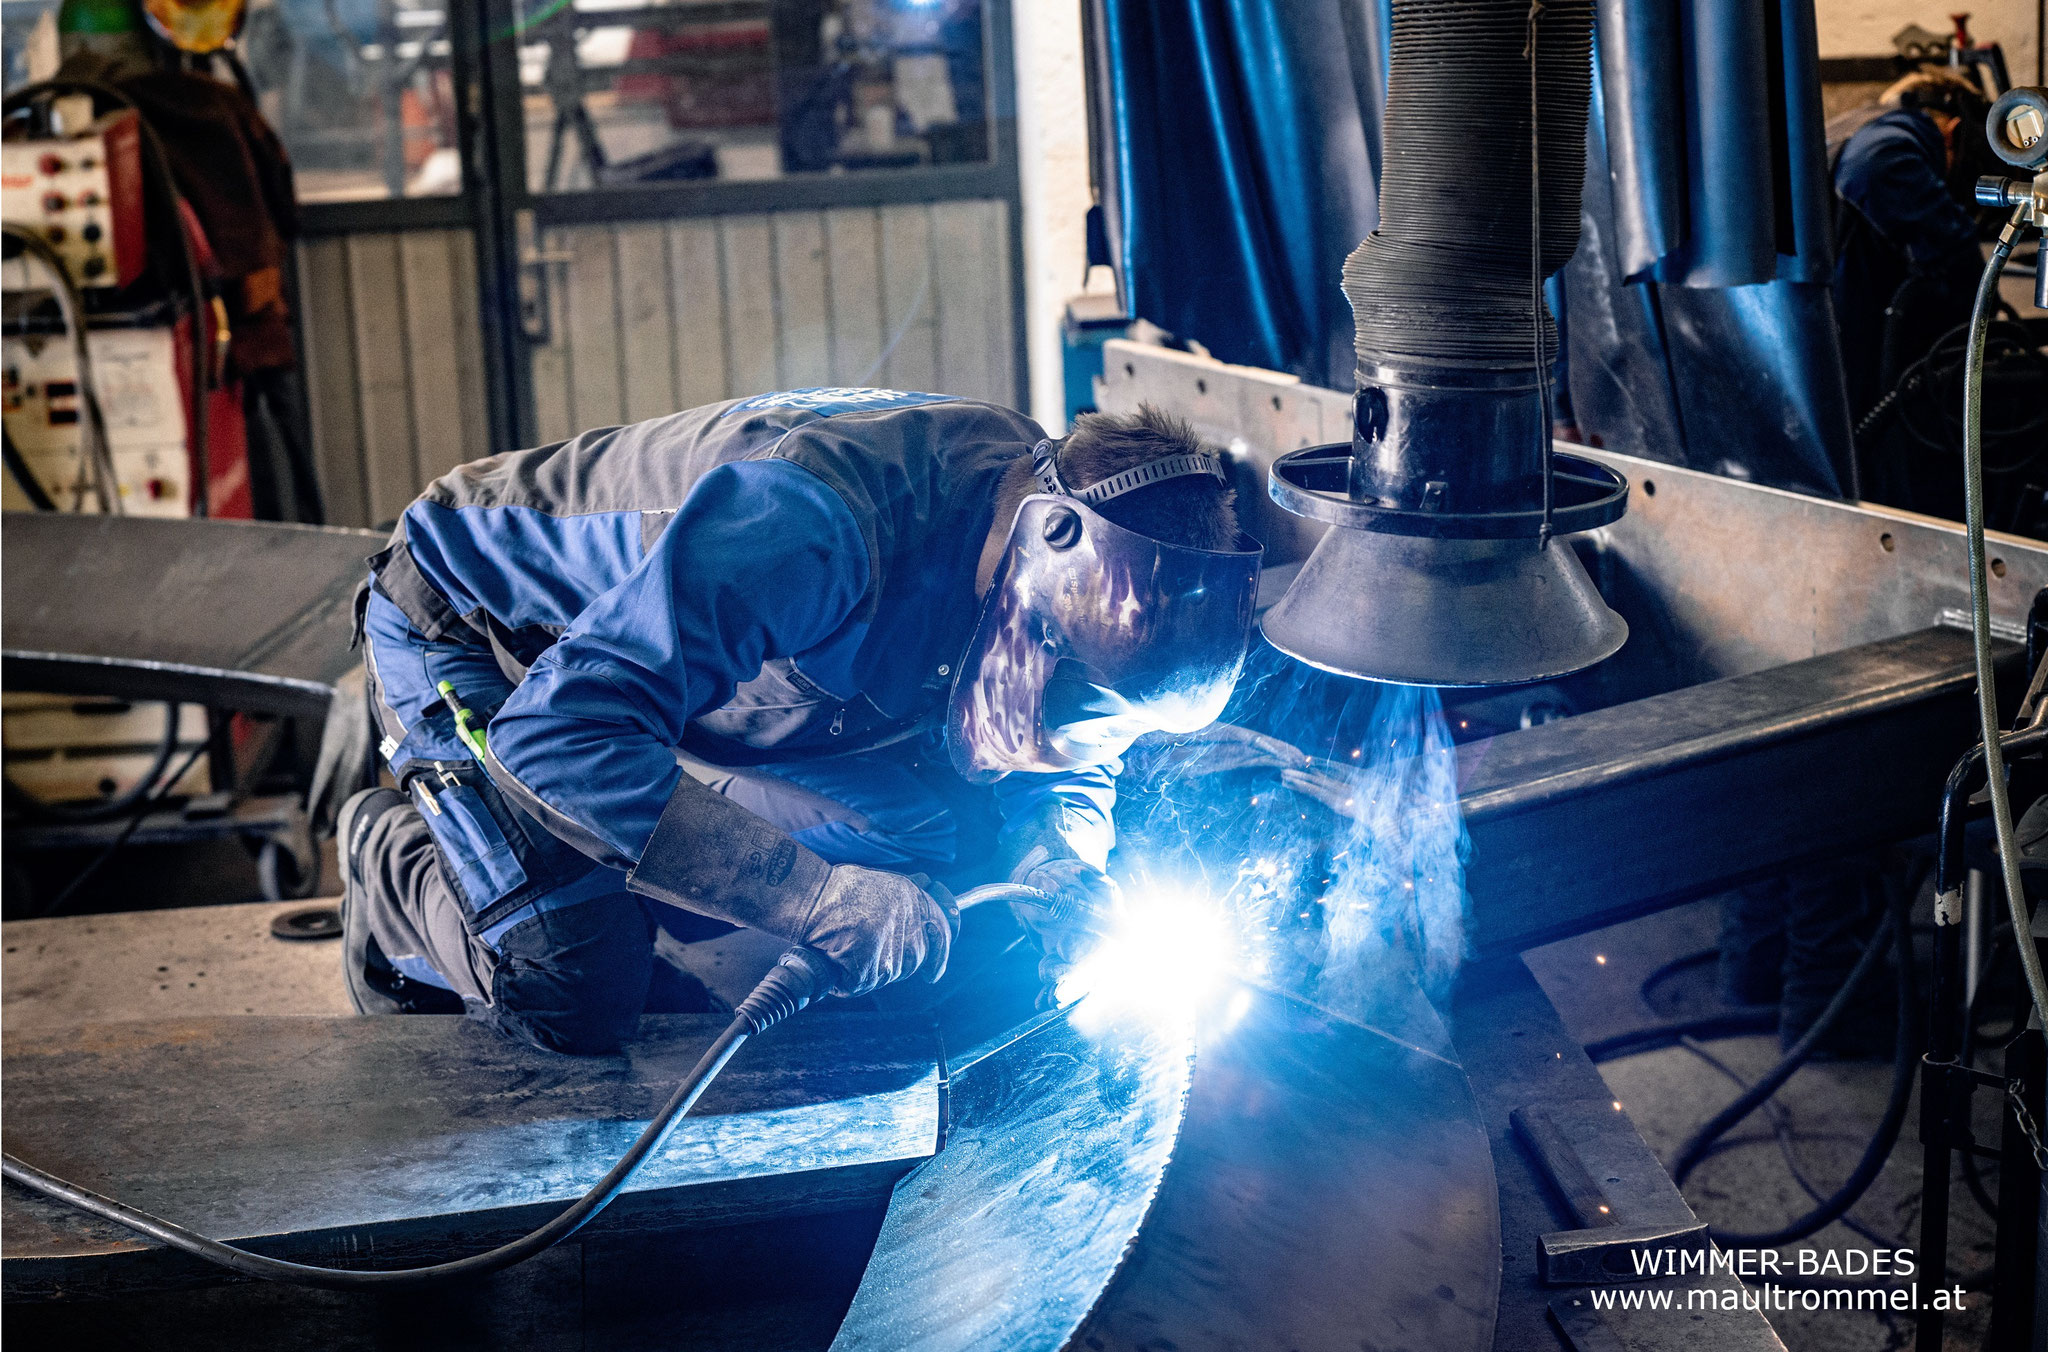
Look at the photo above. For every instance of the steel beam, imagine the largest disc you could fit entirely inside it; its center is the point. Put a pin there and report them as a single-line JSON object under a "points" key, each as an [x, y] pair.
{"points": [[1593, 819]]}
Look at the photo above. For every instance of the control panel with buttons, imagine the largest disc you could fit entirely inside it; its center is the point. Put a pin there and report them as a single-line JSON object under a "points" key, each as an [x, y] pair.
{"points": [[83, 195], [141, 397]]}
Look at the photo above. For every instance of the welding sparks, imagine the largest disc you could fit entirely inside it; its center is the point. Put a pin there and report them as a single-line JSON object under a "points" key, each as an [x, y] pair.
{"points": [[1345, 879], [1161, 957]]}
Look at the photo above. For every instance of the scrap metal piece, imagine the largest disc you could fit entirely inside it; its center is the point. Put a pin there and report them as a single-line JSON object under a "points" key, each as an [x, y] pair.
{"points": [[1611, 1243], [235, 614], [396, 1142], [1612, 1253]]}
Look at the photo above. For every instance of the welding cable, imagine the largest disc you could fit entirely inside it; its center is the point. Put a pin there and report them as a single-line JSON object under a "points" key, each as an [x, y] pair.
{"points": [[1937, 376], [1879, 1148], [1695, 1147], [137, 815], [994, 892], [1980, 612], [1905, 1057], [797, 978], [106, 809], [24, 478], [1664, 971], [1736, 1023], [1782, 1130]]}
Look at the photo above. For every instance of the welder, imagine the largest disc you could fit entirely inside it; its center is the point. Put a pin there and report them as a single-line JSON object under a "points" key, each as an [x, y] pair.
{"points": [[769, 663], [1906, 260]]}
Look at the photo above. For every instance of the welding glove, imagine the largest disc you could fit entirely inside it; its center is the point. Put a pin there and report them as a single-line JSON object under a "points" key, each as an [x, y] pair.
{"points": [[1082, 897], [879, 927], [712, 856]]}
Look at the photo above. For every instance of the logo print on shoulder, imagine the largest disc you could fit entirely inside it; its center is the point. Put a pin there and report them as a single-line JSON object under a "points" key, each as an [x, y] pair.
{"points": [[826, 401]]}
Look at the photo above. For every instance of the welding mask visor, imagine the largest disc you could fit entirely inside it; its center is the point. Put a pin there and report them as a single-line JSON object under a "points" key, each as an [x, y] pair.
{"points": [[1093, 635]]}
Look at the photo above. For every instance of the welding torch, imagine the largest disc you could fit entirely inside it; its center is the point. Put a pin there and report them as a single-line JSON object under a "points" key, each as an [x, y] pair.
{"points": [[1059, 909]]}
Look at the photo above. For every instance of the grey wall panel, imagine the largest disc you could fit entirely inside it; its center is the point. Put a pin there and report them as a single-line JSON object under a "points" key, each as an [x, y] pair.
{"points": [[549, 361], [853, 260], [327, 338], [589, 323], [972, 285], [383, 373], [697, 302], [434, 372], [469, 349], [909, 310], [645, 318], [747, 267], [803, 326], [646, 322], [394, 366]]}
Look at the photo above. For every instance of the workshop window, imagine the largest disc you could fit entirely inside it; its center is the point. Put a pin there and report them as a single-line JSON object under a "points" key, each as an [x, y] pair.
{"points": [[361, 92], [629, 92]]}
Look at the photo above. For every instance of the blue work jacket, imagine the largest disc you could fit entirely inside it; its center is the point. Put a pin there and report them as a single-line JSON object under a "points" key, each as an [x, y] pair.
{"points": [[783, 577]]}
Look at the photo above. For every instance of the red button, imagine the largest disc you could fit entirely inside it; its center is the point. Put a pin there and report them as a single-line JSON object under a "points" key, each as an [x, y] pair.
{"points": [[50, 164]]}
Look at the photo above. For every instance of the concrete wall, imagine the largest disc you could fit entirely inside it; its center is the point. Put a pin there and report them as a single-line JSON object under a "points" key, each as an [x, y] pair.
{"points": [[1865, 27], [1052, 148]]}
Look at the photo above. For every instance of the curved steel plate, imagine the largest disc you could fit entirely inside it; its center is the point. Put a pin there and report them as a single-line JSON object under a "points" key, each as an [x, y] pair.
{"points": [[1299, 1182], [1007, 1236]]}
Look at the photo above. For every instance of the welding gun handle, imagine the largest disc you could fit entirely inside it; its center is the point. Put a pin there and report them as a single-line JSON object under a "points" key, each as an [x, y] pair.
{"points": [[1017, 892], [798, 977]]}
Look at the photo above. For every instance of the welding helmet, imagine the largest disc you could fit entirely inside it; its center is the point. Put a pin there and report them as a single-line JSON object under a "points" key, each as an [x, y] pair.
{"points": [[1092, 635]]}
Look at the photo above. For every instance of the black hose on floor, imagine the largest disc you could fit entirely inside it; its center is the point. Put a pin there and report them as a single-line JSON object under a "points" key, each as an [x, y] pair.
{"points": [[1695, 1147], [1739, 1023], [797, 978], [1905, 1057]]}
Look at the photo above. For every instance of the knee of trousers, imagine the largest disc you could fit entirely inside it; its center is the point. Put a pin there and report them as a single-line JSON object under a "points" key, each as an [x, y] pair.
{"points": [[574, 979]]}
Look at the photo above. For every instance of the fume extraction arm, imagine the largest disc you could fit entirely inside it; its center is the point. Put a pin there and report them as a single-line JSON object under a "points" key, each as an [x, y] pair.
{"points": [[1441, 567]]}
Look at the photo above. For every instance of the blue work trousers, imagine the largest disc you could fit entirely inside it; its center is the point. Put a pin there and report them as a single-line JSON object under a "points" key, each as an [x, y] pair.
{"points": [[464, 890]]}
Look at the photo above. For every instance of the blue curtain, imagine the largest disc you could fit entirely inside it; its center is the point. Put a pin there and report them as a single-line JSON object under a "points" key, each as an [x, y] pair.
{"points": [[1237, 153], [1698, 324]]}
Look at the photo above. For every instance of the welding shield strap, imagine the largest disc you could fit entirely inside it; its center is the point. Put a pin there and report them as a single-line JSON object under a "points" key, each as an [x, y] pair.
{"points": [[1093, 635]]}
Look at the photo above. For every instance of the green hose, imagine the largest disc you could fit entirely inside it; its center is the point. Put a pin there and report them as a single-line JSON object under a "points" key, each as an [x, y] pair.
{"points": [[1980, 607]]}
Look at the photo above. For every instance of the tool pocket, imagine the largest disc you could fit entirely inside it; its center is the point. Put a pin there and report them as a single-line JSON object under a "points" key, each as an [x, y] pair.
{"points": [[474, 839]]}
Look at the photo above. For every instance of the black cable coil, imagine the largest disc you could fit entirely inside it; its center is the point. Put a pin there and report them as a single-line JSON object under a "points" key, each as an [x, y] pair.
{"points": [[1444, 282]]}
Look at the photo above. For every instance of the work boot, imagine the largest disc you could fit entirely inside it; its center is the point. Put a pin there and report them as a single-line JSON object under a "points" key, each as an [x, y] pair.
{"points": [[1831, 912], [1749, 969], [374, 985]]}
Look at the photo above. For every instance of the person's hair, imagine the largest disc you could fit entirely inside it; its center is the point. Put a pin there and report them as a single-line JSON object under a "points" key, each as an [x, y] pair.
{"points": [[1938, 91], [1194, 511], [1956, 96]]}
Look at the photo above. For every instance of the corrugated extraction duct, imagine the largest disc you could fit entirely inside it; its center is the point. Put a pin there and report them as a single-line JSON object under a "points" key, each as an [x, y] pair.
{"points": [[1441, 570]]}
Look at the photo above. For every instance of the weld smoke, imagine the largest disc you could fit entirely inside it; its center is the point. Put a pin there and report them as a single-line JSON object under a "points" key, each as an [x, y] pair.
{"points": [[1323, 814]]}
